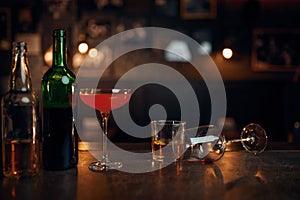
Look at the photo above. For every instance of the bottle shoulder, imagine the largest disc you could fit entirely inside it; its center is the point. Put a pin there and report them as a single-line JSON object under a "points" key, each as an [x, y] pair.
{"points": [[21, 98], [56, 87], [56, 73]]}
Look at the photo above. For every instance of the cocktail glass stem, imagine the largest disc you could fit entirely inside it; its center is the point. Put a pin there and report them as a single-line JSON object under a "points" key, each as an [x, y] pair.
{"points": [[105, 116], [248, 139], [104, 163]]}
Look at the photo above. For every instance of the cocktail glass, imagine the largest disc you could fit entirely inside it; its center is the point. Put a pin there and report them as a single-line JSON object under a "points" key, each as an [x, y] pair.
{"points": [[104, 101], [212, 147]]}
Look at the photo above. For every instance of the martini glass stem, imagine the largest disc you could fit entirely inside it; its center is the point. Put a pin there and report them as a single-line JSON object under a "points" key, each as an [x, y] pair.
{"points": [[242, 139], [105, 116]]}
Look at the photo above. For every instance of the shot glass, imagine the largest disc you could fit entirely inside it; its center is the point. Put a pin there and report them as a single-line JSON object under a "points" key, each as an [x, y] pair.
{"points": [[166, 139]]}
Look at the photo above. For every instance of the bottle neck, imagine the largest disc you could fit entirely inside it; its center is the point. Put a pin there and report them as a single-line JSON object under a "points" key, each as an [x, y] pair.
{"points": [[20, 75], [59, 49]]}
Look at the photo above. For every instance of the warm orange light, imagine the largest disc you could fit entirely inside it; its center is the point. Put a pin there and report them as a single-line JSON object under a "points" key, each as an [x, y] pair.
{"points": [[77, 60], [48, 56], [227, 53]]}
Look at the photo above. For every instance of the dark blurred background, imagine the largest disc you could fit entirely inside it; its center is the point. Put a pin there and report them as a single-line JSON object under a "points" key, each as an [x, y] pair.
{"points": [[264, 36]]}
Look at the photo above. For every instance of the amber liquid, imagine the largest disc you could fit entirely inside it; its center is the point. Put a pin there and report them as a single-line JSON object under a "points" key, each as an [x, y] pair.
{"points": [[157, 149], [20, 158]]}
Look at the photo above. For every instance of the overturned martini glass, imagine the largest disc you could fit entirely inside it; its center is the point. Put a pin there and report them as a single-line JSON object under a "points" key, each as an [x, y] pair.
{"points": [[208, 146]]}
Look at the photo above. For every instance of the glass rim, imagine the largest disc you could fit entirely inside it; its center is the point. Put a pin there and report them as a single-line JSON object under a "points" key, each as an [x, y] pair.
{"points": [[168, 122], [104, 90]]}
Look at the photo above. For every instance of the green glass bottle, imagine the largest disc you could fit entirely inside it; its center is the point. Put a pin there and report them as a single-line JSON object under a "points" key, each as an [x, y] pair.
{"points": [[60, 148], [20, 119]]}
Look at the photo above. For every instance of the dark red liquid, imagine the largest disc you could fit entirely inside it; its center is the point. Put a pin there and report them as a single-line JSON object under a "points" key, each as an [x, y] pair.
{"points": [[60, 150], [105, 102]]}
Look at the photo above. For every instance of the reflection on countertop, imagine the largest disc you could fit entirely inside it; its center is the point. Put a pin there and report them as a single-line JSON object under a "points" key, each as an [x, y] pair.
{"points": [[274, 174]]}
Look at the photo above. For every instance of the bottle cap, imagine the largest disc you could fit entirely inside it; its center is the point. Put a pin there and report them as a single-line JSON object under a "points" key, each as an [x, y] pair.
{"points": [[19, 47], [59, 32], [20, 44]]}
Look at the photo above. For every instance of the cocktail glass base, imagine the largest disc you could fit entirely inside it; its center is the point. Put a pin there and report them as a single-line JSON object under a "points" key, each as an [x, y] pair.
{"points": [[99, 166]]}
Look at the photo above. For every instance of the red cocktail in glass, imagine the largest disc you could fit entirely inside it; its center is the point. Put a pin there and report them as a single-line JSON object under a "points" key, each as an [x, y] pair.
{"points": [[104, 100]]}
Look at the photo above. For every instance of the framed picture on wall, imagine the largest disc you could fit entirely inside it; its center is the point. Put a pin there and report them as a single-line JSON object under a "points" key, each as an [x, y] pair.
{"points": [[275, 50], [198, 9], [5, 30], [166, 8]]}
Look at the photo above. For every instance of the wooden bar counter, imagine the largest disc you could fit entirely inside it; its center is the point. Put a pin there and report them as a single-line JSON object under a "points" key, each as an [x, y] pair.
{"points": [[274, 174]]}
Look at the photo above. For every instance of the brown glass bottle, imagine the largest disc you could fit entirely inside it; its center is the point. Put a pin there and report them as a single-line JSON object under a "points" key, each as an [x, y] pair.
{"points": [[20, 117]]}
